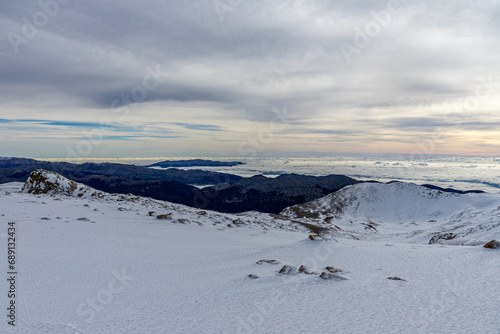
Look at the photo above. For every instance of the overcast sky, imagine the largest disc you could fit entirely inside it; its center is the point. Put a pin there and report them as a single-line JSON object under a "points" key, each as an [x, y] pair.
{"points": [[249, 77]]}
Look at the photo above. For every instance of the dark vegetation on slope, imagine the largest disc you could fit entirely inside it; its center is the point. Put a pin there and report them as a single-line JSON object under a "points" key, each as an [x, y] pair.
{"points": [[270, 195], [165, 190]]}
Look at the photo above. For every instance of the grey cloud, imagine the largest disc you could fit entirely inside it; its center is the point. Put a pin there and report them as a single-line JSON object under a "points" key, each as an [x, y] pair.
{"points": [[263, 55], [434, 123], [201, 127]]}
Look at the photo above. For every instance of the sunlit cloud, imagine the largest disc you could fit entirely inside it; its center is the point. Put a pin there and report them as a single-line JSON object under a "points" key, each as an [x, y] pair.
{"points": [[177, 77]]}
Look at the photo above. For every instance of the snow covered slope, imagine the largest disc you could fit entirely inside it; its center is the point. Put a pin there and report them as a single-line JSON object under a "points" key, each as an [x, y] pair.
{"points": [[406, 210], [42, 182], [102, 264]]}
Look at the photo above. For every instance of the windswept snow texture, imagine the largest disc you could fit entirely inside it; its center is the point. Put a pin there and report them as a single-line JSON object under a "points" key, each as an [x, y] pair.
{"points": [[104, 263]]}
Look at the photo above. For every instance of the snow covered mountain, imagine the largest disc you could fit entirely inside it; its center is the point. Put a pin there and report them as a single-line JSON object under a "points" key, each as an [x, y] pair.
{"points": [[404, 210], [42, 182], [93, 262]]}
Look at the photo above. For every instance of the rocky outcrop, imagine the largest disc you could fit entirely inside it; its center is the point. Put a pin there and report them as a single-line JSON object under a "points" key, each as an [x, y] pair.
{"points": [[46, 182], [332, 276], [287, 270], [304, 270], [493, 244], [442, 236]]}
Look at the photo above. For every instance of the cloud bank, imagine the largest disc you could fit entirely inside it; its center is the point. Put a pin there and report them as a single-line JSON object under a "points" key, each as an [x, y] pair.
{"points": [[209, 77]]}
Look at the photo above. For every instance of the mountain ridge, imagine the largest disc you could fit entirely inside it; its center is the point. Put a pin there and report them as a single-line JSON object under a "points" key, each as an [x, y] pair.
{"points": [[407, 210], [18, 169], [195, 163], [271, 195]]}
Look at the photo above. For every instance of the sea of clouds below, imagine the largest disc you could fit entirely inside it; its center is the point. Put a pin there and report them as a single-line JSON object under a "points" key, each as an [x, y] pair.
{"points": [[463, 173]]}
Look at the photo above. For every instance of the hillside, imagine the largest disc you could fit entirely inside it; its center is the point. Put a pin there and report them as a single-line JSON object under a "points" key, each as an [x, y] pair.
{"points": [[404, 210], [271, 195]]}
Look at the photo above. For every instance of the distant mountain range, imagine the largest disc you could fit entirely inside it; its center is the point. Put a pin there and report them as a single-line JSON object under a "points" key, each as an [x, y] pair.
{"points": [[225, 193], [18, 169], [270, 195], [195, 163]]}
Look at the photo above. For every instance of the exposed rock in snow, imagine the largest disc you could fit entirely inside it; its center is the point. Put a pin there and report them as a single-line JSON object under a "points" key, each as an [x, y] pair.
{"points": [[395, 278], [50, 183], [267, 261], [45, 182], [442, 236], [287, 270], [304, 270], [333, 269], [493, 244], [331, 276]]}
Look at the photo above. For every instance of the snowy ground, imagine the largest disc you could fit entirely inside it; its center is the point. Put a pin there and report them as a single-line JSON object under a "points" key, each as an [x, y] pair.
{"points": [[123, 271]]}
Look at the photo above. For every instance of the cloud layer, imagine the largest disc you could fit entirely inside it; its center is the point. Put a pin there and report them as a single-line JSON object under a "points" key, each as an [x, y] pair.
{"points": [[212, 77]]}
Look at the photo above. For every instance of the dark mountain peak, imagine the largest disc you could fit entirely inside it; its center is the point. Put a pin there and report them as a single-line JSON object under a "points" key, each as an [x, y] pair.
{"points": [[451, 190], [259, 177], [290, 175], [6, 162], [195, 163]]}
